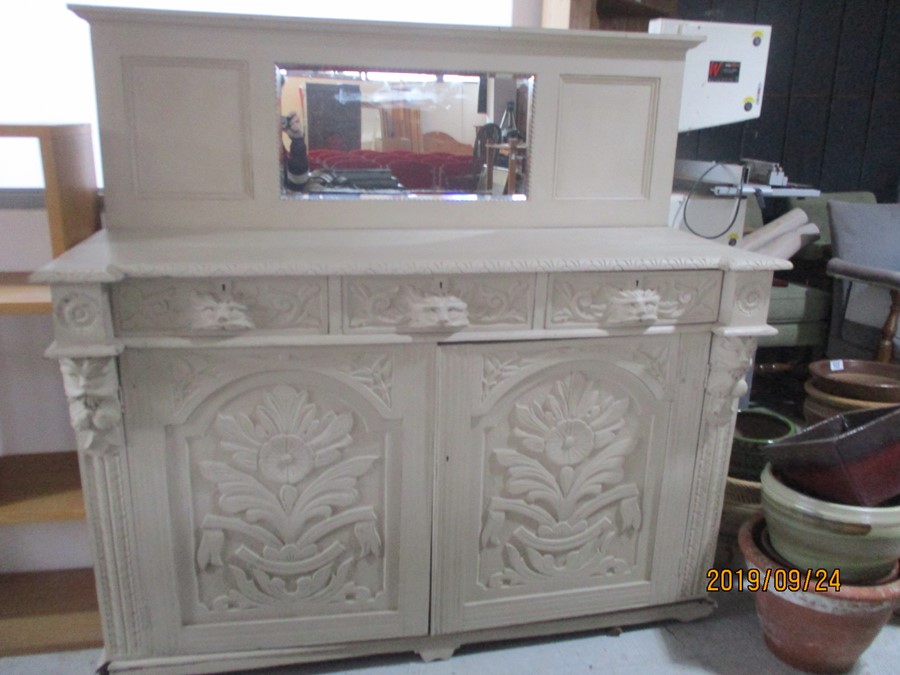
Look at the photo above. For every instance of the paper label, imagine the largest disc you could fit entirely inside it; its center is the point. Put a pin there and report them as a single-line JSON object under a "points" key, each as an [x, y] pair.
{"points": [[836, 365]]}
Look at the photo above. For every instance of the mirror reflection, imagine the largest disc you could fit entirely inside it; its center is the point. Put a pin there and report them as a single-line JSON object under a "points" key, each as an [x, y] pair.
{"points": [[351, 134]]}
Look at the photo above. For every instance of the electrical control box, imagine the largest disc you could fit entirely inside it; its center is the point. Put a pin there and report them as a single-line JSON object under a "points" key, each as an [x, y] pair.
{"points": [[724, 76]]}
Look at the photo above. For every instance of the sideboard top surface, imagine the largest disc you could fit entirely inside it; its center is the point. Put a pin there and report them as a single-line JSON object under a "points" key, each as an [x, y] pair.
{"points": [[113, 256]]}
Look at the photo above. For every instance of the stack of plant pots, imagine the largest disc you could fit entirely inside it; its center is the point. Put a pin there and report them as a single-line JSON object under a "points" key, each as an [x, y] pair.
{"points": [[829, 541], [840, 385]]}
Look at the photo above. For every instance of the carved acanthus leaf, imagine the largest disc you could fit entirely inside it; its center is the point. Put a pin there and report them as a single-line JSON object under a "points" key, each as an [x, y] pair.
{"points": [[287, 524], [563, 508], [500, 367], [494, 301], [375, 373]]}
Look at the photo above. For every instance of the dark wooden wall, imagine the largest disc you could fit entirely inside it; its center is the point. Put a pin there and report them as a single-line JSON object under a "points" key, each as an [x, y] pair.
{"points": [[831, 107]]}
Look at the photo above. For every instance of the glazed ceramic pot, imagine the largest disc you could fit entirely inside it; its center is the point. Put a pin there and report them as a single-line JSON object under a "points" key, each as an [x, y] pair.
{"points": [[852, 458], [863, 542], [817, 631], [820, 405], [755, 429], [854, 378]]}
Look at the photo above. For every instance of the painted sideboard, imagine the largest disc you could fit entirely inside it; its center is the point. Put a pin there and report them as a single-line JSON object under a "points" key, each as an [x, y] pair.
{"points": [[313, 429]]}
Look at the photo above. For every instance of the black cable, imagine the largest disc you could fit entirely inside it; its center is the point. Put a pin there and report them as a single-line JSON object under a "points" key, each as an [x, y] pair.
{"points": [[737, 204]]}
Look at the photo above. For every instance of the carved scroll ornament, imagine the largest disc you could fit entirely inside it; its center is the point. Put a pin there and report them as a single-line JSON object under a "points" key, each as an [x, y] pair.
{"points": [[612, 303]]}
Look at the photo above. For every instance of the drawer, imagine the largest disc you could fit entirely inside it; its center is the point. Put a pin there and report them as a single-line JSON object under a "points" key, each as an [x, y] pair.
{"points": [[588, 299], [436, 304], [220, 306]]}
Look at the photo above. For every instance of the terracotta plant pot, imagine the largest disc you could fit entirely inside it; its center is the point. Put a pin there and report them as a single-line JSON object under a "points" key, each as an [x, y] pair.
{"points": [[863, 542], [754, 430], [817, 631]]}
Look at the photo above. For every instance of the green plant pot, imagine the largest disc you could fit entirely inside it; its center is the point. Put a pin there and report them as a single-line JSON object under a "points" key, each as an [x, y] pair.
{"points": [[863, 542], [754, 430]]}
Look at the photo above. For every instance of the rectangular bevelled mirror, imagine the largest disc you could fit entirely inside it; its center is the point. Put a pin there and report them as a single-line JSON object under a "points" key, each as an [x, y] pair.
{"points": [[376, 134]]}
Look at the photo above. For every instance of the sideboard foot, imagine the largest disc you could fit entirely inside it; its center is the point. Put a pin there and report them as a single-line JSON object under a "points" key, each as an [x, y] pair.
{"points": [[437, 653]]}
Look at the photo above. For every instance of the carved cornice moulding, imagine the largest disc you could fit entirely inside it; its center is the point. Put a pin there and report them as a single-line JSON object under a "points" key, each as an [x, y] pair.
{"points": [[111, 258], [463, 37], [368, 267]]}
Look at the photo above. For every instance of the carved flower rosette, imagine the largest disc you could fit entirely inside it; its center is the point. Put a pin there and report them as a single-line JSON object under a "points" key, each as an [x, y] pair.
{"points": [[288, 521], [560, 507]]}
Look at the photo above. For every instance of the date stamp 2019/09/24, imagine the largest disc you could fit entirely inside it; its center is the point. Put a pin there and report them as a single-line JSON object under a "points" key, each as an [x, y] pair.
{"points": [[781, 580]]}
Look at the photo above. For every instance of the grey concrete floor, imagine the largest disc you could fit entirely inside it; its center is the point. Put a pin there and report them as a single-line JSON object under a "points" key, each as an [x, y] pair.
{"points": [[728, 642]]}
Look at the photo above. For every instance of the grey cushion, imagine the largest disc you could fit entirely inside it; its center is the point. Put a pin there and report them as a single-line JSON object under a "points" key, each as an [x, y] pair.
{"points": [[866, 234], [817, 208]]}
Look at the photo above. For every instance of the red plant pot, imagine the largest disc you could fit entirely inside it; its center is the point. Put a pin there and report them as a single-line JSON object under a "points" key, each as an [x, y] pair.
{"points": [[817, 631]]}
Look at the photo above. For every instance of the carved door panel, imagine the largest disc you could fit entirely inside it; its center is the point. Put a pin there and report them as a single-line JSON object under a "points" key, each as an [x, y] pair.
{"points": [[564, 477], [282, 496]]}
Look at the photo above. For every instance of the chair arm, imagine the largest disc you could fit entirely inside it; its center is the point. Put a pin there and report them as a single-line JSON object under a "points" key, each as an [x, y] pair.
{"points": [[874, 276]]}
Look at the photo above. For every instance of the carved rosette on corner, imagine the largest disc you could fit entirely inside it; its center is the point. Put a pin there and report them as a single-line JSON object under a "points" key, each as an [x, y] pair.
{"points": [[78, 312], [92, 391], [288, 523], [561, 508]]}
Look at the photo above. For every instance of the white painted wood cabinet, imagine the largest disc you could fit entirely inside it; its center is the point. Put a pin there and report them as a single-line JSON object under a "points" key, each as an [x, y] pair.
{"points": [[314, 429]]}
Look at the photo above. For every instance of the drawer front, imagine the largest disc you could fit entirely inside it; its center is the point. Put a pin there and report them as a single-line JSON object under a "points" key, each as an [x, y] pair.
{"points": [[587, 299], [220, 306], [435, 304]]}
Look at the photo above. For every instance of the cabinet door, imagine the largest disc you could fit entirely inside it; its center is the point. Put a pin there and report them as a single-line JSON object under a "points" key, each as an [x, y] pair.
{"points": [[281, 496], [564, 474]]}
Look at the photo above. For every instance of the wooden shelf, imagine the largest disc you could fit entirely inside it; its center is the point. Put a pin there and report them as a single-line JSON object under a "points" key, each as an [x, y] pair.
{"points": [[56, 610], [48, 612], [70, 189], [17, 296], [38, 488]]}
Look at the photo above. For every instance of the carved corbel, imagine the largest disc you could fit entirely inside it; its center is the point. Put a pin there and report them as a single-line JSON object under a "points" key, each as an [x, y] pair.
{"points": [[730, 361], [92, 391]]}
